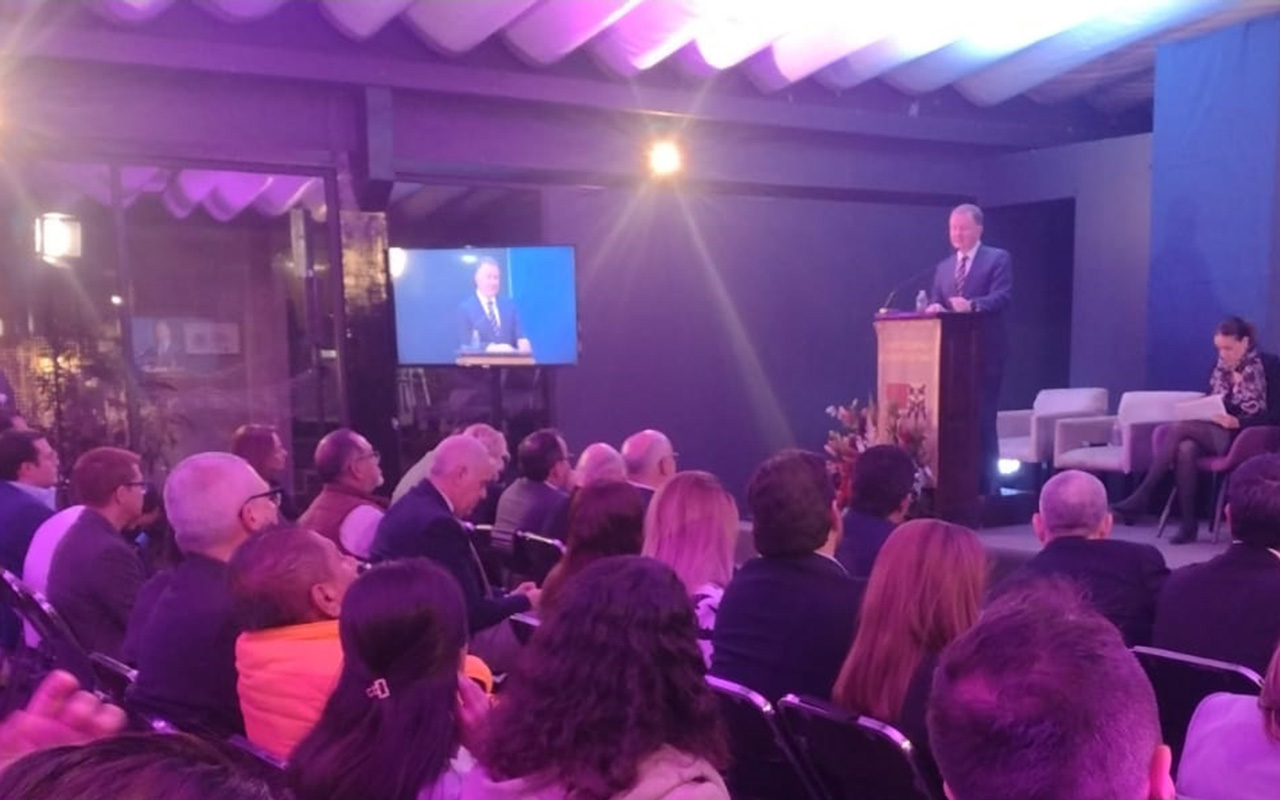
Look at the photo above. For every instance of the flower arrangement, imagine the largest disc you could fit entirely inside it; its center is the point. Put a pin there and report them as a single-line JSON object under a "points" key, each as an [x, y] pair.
{"points": [[858, 432]]}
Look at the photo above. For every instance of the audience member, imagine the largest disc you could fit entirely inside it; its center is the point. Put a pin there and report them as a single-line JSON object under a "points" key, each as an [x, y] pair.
{"points": [[140, 766], [609, 701], [1042, 699], [545, 476], [489, 436], [287, 585], [58, 713], [606, 519], [1121, 579], [28, 470], [262, 447], [35, 568], [1228, 608], [651, 461], [1232, 751], [1248, 381], [884, 478], [153, 535], [184, 641], [347, 511], [925, 590], [692, 527], [393, 726], [786, 620], [427, 523], [598, 462], [95, 574]]}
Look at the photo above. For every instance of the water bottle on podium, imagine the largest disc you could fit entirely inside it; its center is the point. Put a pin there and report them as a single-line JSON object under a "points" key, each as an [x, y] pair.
{"points": [[922, 301]]}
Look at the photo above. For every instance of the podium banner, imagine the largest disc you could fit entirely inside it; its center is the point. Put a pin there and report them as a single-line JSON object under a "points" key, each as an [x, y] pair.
{"points": [[908, 386]]}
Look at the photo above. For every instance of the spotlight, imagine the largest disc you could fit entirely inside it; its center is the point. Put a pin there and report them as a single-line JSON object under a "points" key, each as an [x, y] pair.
{"points": [[664, 158], [57, 237], [396, 260], [1008, 466], [117, 300]]}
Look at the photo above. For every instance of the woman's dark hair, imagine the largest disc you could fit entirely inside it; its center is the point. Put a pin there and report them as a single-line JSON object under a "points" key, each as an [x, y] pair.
{"points": [[1237, 328], [255, 444], [140, 766], [605, 519], [390, 727], [790, 497], [613, 674]]}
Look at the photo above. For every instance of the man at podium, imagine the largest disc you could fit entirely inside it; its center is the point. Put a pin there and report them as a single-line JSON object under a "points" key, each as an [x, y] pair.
{"points": [[490, 323], [978, 278]]}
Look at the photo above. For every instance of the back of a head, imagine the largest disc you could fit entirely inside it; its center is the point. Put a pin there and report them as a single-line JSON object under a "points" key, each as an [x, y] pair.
{"points": [[1253, 501], [618, 654], [97, 474], [643, 452], [883, 477], [140, 766], [538, 453], [492, 439], [271, 576], [606, 519], [1042, 699], [599, 462], [925, 590], [203, 497], [1073, 503], [692, 527], [790, 497], [17, 448], [334, 452], [403, 629], [255, 444]]}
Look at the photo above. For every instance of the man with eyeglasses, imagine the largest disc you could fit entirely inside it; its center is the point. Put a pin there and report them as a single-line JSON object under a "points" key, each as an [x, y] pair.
{"points": [[95, 574], [529, 504], [346, 511], [28, 478], [183, 632]]}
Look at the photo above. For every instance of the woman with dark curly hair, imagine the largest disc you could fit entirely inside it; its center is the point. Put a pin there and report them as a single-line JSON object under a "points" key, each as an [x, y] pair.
{"points": [[605, 519], [609, 700]]}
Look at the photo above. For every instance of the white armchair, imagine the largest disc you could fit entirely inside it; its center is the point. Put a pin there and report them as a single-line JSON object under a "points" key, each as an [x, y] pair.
{"points": [[1118, 443], [1026, 435]]}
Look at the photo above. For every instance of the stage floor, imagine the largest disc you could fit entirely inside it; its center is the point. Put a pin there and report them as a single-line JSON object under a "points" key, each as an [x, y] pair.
{"points": [[1016, 543]]}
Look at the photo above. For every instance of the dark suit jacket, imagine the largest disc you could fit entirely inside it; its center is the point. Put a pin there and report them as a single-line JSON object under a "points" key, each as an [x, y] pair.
{"points": [[1121, 579], [528, 506], [1227, 608], [187, 649], [989, 286], [421, 525], [785, 625], [864, 535], [20, 515], [473, 320], [94, 579]]}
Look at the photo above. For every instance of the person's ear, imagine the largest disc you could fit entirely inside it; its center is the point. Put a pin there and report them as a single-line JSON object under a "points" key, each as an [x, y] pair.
{"points": [[1037, 524], [1160, 782], [905, 506], [326, 599], [1104, 530], [1226, 514]]}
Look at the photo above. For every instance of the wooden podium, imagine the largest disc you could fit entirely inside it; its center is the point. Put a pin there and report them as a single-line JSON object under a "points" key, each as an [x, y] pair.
{"points": [[929, 393]]}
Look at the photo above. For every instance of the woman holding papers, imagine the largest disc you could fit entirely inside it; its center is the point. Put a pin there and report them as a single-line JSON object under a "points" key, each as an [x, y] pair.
{"points": [[1244, 390]]}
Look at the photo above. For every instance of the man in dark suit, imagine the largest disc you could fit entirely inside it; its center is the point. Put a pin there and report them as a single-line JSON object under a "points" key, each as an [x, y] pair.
{"points": [[1121, 579], [977, 278], [541, 491], [1228, 608], [28, 475], [426, 523], [787, 618], [884, 477], [95, 574], [487, 318]]}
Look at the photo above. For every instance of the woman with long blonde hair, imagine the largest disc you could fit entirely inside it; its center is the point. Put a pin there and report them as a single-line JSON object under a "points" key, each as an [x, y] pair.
{"points": [[692, 527], [925, 590]]}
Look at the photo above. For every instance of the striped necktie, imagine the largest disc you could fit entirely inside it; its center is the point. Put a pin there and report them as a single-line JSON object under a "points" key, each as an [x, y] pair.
{"points": [[962, 272]]}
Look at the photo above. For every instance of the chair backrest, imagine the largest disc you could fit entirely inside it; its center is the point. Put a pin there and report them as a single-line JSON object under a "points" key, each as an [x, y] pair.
{"points": [[534, 555], [114, 677], [1085, 402], [1252, 442], [1138, 407], [853, 756], [763, 764], [56, 641], [1182, 681]]}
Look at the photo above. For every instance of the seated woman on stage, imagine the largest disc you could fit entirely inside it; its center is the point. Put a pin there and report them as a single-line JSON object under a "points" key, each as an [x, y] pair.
{"points": [[1249, 382]]}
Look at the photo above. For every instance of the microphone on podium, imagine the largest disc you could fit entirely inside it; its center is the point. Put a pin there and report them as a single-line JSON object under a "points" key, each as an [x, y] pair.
{"points": [[884, 307]]}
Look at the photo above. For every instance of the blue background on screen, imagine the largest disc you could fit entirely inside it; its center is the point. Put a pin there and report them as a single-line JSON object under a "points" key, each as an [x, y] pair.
{"points": [[433, 283]]}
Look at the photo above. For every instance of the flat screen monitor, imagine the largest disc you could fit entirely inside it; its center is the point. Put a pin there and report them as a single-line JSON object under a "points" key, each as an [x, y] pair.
{"points": [[503, 306]]}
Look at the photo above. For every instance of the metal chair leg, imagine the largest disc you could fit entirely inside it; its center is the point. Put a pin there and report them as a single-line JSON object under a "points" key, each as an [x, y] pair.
{"points": [[1164, 516], [1219, 507]]}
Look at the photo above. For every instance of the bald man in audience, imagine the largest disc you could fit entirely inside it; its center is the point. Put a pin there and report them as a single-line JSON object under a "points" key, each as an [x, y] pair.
{"points": [[346, 511], [650, 460], [428, 523], [184, 641], [492, 439], [1121, 579]]}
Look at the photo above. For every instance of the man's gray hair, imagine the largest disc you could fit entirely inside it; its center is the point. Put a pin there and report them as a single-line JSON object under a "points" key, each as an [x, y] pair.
{"points": [[1073, 503], [456, 452], [642, 451], [203, 497], [335, 451], [973, 211]]}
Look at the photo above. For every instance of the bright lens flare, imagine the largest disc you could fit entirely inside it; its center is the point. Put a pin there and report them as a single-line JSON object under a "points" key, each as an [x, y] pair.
{"points": [[664, 158]]}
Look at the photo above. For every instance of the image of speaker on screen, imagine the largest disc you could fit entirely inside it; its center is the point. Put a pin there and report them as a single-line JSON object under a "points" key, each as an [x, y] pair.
{"points": [[490, 321]]}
